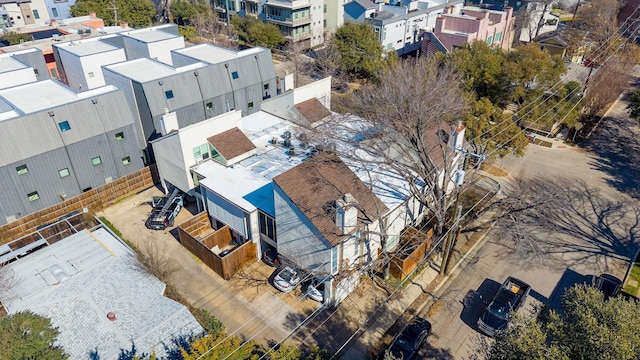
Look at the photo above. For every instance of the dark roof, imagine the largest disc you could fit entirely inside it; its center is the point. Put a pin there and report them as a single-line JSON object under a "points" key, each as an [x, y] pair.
{"points": [[553, 37], [316, 184], [313, 110], [231, 143], [358, 7]]}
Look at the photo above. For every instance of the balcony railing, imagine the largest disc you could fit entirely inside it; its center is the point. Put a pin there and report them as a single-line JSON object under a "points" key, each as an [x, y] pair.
{"points": [[288, 20]]}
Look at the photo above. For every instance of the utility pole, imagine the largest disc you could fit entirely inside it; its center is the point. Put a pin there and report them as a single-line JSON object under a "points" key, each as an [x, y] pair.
{"points": [[115, 12]]}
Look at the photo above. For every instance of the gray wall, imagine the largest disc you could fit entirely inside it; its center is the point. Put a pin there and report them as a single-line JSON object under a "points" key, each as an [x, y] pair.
{"points": [[36, 141], [35, 59]]}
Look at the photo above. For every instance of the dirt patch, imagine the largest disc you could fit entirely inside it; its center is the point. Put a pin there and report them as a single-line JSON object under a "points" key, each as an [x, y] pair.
{"points": [[435, 308], [493, 170]]}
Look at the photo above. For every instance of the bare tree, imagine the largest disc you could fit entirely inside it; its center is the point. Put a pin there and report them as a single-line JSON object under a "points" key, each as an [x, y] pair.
{"points": [[153, 258], [401, 139], [299, 61]]}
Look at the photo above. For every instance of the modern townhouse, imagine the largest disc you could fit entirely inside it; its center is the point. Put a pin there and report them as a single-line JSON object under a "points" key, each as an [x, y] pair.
{"points": [[57, 143], [167, 98], [17, 13], [80, 61], [60, 9], [399, 27], [22, 67], [471, 24]]}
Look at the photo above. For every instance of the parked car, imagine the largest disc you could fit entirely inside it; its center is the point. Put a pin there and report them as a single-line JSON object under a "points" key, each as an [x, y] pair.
{"points": [[608, 284], [508, 299], [271, 257], [286, 279], [164, 211], [407, 344], [315, 290]]}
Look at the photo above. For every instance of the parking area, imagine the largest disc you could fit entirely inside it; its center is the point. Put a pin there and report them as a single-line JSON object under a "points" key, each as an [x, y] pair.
{"points": [[248, 304]]}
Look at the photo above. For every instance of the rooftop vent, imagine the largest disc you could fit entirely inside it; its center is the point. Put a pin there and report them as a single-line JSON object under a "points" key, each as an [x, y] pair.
{"points": [[287, 142], [111, 316], [287, 134]]}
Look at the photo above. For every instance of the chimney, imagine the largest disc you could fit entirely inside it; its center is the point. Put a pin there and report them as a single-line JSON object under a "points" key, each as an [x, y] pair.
{"points": [[92, 14], [124, 24], [457, 135], [346, 214], [54, 22], [111, 316]]}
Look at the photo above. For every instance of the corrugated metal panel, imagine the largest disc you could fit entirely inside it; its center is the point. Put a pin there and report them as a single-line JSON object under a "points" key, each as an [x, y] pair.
{"points": [[144, 112], [23, 137], [42, 176], [214, 81], [183, 87], [265, 61], [82, 153], [249, 72]]}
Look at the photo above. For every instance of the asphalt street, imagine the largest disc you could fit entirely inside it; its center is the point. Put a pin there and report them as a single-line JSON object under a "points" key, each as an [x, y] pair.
{"points": [[597, 234]]}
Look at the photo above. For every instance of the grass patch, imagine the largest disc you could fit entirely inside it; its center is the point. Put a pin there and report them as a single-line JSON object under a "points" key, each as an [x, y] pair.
{"points": [[117, 232], [634, 275], [542, 143], [123, 198]]}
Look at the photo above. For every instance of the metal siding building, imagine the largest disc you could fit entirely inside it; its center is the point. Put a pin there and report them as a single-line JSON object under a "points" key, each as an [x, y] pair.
{"points": [[210, 81], [51, 137]]}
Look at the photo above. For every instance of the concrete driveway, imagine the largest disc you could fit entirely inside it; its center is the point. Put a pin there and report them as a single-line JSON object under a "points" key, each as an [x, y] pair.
{"points": [[598, 234], [247, 304]]}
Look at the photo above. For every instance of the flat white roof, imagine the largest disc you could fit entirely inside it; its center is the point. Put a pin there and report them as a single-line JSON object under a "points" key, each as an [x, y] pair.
{"points": [[248, 183], [214, 54], [9, 64], [145, 69], [151, 35], [78, 280], [84, 48], [37, 96]]}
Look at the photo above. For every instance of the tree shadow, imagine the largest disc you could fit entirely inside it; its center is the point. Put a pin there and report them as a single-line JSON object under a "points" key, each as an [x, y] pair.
{"points": [[618, 154], [563, 223]]}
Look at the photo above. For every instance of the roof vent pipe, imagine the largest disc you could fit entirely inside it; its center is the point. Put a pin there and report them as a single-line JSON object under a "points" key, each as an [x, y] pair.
{"points": [[111, 316]]}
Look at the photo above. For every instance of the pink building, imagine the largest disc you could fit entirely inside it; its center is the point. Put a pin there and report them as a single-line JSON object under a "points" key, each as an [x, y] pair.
{"points": [[472, 24]]}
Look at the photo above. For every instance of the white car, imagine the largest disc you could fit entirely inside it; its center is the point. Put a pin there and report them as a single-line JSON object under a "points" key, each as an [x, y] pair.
{"points": [[315, 290], [286, 279]]}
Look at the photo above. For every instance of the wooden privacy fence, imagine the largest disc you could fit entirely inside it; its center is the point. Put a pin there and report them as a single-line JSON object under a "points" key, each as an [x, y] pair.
{"points": [[414, 244], [94, 199], [197, 235]]}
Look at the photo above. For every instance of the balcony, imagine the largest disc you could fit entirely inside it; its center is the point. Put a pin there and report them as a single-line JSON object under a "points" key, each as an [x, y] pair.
{"points": [[288, 21], [299, 37], [290, 4]]}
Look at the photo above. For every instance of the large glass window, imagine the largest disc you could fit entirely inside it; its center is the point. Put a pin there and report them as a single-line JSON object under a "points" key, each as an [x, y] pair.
{"points": [[201, 152], [267, 226]]}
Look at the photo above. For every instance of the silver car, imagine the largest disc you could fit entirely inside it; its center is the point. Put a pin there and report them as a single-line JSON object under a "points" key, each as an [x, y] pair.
{"points": [[286, 279]]}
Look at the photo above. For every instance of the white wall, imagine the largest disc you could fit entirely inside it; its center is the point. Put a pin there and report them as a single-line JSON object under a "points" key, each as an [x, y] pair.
{"points": [[298, 240], [93, 64], [162, 49], [62, 8], [282, 105], [317, 27], [174, 153], [17, 77]]}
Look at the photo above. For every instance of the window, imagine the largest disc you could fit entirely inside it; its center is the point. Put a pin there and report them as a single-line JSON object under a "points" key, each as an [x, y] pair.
{"points": [[35, 14], [64, 126], [201, 152], [22, 169], [168, 94], [96, 161], [209, 105], [324, 23], [497, 37], [266, 86], [63, 172], [234, 74], [54, 11], [267, 226], [90, 74], [325, 8], [126, 160], [489, 40], [250, 105], [35, 71], [33, 196], [120, 136]]}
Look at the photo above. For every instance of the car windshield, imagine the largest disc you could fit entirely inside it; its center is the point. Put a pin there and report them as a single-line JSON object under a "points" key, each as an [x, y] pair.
{"points": [[286, 274], [409, 336], [499, 309]]}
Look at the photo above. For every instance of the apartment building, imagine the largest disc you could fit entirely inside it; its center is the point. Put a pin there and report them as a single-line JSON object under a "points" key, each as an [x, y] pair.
{"points": [[57, 143]]}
